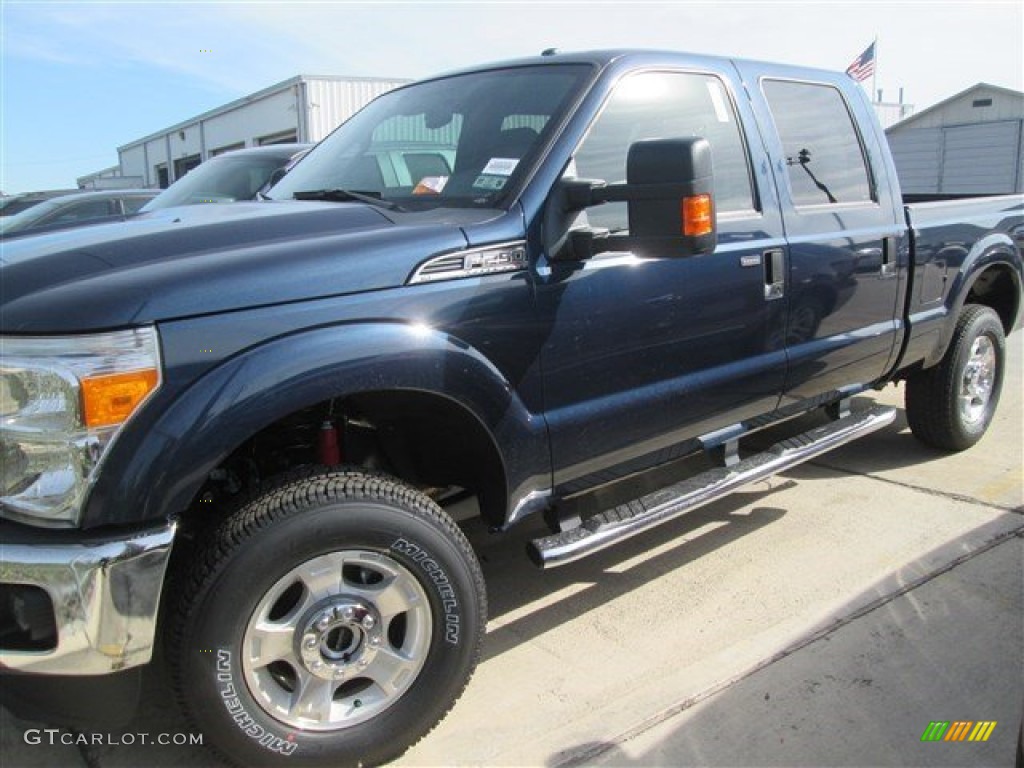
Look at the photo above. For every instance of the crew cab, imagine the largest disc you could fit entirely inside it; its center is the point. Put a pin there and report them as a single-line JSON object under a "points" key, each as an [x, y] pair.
{"points": [[236, 429]]}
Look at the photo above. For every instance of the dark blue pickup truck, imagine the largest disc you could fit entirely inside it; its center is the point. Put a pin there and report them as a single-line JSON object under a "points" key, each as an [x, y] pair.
{"points": [[570, 286]]}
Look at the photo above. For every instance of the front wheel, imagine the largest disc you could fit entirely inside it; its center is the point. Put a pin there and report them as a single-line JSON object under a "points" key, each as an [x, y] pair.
{"points": [[950, 405], [332, 621]]}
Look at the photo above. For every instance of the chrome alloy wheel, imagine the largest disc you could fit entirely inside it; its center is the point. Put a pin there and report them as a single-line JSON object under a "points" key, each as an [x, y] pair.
{"points": [[978, 380], [337, 640]]}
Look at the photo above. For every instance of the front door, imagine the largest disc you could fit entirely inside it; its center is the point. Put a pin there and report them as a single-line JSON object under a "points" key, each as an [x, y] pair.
{"points": [[645, 354]]}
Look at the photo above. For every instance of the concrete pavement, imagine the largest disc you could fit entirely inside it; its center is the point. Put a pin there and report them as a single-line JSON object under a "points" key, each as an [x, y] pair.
{"points": [[883, 561], [864, 693]]}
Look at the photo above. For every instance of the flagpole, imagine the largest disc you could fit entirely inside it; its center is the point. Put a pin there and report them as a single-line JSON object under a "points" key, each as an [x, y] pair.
{"points": [[874, 74]]}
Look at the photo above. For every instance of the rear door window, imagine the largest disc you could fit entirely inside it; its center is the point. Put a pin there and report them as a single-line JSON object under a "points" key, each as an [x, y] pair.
{"points": [[823, 152]]}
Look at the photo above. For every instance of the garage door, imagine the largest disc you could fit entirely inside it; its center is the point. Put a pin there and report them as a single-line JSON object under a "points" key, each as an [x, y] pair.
{"points": [[981, 159]]}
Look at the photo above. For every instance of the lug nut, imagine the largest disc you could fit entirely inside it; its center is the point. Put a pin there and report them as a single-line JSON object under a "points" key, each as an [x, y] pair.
{"points": [[323, 623], [369, 622], [375, 640], [349, 612], [309, 641]]}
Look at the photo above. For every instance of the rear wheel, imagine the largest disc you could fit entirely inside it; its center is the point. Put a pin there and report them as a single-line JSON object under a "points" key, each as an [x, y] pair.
{"points": [[950, 405], [332, 621]]}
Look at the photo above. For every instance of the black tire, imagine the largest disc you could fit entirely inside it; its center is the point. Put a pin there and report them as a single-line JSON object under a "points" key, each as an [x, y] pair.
{"points": [[317, 525], [936, 397]]}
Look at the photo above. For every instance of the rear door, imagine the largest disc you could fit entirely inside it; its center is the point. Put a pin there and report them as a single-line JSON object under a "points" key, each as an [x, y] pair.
{"points": [[843, 235]]}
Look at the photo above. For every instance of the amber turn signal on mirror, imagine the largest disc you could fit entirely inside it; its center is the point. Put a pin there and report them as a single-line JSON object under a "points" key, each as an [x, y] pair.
{"points": [[697, 215]]}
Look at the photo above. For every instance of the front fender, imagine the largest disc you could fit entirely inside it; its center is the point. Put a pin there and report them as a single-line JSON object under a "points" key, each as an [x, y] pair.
{"points": [[157, 466]]}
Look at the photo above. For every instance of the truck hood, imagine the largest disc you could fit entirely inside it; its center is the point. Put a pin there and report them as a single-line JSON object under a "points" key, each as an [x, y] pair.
{"points": [[206, 259]]}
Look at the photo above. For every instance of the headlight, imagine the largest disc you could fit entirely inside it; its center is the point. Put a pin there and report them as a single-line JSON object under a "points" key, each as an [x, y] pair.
{"points": [[62, 402]]}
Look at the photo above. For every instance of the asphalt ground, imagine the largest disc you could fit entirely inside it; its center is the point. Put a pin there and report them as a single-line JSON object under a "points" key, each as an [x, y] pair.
{"points": [[824, 617]]}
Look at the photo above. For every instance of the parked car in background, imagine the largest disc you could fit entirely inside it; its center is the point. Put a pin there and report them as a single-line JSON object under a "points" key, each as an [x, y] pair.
{"points": [[76, 210], [12, 204], [238, 175]]}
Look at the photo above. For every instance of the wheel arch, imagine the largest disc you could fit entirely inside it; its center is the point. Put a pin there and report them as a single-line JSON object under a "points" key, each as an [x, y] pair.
{"points": [[990, 276], [159, 467]]}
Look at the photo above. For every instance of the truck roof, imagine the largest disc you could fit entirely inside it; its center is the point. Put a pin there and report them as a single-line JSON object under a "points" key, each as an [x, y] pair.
{"points": [[640, 56]]}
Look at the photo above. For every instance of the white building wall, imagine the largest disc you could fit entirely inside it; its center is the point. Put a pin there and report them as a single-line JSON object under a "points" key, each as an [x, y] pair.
{"points": [[141, 159], [185, 141], [109, 178], [959, 111], [133, 163], [269, 115], [306, 107], [330, 102], [891, 113]]}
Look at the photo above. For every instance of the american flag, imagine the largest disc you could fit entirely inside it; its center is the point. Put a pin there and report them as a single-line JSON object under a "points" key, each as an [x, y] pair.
{"points": [[863, 66]]}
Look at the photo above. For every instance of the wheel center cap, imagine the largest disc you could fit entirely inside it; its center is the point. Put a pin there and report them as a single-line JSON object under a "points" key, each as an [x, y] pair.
{"points": [[339, 638]]}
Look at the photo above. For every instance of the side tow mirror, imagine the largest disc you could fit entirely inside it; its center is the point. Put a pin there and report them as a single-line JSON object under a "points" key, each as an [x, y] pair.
{"points": [[670, 195]]}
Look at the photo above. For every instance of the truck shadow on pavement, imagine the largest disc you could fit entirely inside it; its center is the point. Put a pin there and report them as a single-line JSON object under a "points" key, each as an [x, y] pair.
{"points": [[862, 687], [524, 601]]}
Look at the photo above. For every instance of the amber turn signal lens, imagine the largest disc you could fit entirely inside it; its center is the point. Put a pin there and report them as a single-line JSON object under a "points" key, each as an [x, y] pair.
{"points": [[109, 400], [697, 215]]}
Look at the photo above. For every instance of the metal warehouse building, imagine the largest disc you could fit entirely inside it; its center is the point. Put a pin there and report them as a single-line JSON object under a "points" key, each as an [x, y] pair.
{"points": [[303, 108], [971, 143]]}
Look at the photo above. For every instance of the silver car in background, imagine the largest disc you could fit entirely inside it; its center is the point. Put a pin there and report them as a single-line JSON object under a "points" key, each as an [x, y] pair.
{"points": [[238, 175]]}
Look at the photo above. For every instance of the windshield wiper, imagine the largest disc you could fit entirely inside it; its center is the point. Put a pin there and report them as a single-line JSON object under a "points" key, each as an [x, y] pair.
{"points": [[346, 195]]}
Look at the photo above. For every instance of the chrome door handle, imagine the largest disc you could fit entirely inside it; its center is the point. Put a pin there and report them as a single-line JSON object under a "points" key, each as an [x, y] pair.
{"points": [[888, 258], [774, 274]]}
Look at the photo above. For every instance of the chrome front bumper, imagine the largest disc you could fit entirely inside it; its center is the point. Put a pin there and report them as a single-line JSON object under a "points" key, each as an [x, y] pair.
{"points": [[105, 594]]}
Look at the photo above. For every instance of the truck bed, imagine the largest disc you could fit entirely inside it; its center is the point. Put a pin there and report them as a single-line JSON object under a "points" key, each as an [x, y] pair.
{"points": [[948, 239]]}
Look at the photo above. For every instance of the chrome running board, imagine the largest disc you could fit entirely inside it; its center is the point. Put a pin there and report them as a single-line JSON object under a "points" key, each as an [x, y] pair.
{"points": [[626, 520]]}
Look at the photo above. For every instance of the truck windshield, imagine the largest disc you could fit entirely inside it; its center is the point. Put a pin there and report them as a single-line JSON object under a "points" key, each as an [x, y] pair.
{"points": [[462, 141]]}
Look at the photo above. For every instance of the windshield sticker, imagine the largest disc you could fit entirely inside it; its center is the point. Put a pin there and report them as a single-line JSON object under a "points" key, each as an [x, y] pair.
{"points": [[485, 181], [430, 185], [500, 166]]}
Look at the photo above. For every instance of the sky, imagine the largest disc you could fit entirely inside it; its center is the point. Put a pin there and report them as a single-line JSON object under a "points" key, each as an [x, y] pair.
{"points": [[79, 79]]}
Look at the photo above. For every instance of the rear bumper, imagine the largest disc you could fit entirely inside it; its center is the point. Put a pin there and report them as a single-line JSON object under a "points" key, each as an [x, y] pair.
{"points": [[103, 591]]}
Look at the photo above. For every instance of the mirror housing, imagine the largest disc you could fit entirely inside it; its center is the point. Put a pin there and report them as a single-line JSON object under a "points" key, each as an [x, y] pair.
{"points": [[669, 193], [672, 185]]}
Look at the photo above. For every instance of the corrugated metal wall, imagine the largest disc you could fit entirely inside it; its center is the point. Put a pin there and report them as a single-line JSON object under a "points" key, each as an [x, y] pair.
{"points": [[979, 159], [329, 103], [918, 156], [303, 108], [982, 158]]}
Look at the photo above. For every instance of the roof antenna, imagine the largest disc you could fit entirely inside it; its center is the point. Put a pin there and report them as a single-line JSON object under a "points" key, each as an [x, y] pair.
{"points": [[549, 52]]}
